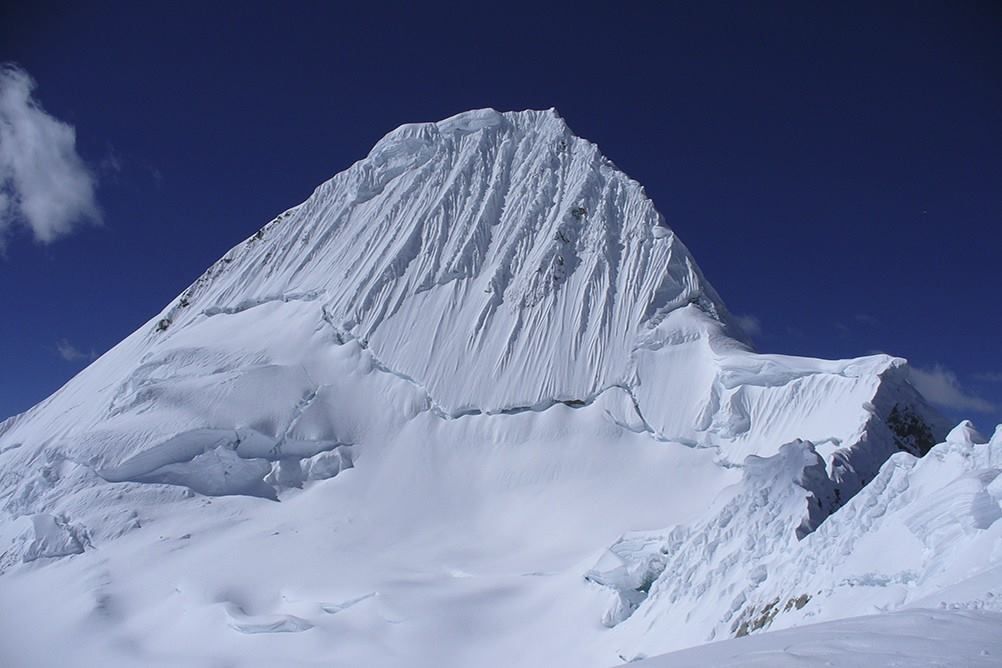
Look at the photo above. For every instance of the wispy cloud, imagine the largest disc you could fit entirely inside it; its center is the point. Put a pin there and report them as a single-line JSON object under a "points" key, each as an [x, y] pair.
{"points": [[44, 184], [941, 386], [111, 164], [71, 353], [751, 325], [989, 377]]}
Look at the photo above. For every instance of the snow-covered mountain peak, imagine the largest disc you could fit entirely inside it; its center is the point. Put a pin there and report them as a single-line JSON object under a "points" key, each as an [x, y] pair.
{"points": [[541, 122], [494, 240], [476, 338], [488, 263]]}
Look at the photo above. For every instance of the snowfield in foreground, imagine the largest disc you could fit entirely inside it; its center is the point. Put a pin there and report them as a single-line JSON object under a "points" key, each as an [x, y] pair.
{"points": [[912, 639], [473, 403]]}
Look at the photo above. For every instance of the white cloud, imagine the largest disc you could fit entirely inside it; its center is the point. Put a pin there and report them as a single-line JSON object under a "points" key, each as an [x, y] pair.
{"points": [[71, 353], [751, 325], [44, 184], [940, 386], [989, 377]]}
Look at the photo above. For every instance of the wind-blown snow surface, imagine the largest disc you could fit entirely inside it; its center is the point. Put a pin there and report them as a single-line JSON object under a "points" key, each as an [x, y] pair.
{"points": [[401, 423], [914, 638]]}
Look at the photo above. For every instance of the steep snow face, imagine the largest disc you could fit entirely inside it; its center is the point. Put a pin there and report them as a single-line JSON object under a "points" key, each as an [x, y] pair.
{"points": [[488, 241]]}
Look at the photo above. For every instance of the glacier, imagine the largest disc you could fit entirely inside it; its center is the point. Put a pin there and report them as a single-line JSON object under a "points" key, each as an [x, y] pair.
{"points": [[472, 403]]}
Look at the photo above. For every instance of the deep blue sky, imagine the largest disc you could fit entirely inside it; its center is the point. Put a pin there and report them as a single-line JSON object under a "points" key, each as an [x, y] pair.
{"points": [[835, 168]]}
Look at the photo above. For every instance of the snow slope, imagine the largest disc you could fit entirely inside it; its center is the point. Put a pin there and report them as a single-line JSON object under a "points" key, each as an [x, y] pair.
{"points": [[462, 368], [911, 639]]}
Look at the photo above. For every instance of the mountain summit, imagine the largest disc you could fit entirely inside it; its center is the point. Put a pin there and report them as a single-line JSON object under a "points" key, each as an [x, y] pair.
{"points": [[488, 241], [466, 367]]}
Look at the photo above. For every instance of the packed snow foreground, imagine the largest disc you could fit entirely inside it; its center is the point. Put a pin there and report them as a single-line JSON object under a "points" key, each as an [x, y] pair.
{"points": [[474, 404]]}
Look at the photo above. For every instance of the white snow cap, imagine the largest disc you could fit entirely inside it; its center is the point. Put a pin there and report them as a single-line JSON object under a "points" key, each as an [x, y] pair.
{"points": [[488, 240]]}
